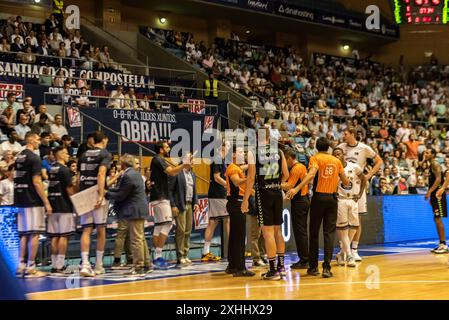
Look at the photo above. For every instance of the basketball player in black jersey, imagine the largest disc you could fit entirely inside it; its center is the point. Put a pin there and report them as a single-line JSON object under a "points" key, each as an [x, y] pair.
{"points": [[266, 171], [439, 208]]}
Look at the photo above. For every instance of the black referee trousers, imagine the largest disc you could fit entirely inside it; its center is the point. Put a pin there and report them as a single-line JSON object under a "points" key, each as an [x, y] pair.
{"points": [[323, 209], [237, 234], [300, 206]]}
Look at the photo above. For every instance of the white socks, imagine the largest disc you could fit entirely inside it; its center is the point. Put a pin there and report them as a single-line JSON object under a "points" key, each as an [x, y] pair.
{"points": [[99, 261], [158, 253], [206, 247], [355, 245], [85, 258], [60, 259], [54, 262], [344, 241]]}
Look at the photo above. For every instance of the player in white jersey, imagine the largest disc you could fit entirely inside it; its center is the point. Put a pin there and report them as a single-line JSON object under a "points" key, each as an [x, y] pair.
{"points": [[348, 213], [359, 153]]}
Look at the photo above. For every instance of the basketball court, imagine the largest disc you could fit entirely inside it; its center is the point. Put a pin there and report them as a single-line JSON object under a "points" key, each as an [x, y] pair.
{"points": [[399, 271]]}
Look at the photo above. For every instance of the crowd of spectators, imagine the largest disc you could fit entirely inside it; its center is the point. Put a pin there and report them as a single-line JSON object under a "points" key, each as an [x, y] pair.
{"points": [[399, 116], [49, 43]]}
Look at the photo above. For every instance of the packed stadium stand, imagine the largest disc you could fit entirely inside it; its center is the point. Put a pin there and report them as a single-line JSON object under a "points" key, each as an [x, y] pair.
{"points": [[139, 79]]}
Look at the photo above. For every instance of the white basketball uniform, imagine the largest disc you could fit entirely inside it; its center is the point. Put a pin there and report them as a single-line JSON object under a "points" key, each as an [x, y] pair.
{"points": [[348, 214], [359, 154]]}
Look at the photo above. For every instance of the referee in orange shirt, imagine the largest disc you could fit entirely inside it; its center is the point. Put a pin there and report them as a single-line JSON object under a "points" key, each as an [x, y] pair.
{"points": [[300, 205], [325, 170]]}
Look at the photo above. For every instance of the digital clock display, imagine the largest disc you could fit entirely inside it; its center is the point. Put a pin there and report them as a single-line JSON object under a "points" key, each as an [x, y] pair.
{"points": [[421, 11]]}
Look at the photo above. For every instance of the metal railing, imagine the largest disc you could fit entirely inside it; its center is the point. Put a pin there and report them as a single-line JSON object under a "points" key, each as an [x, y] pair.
{"points": [[177, 88], [67, 62], [211, 108], [346, 117]]}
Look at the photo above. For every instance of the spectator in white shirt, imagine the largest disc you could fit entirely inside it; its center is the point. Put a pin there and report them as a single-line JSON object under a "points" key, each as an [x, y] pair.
{"points": [[116, 98], [22, 128], [56, 36], [403, 133], [43, 109], [83, 99], [58, 129], [17, 35], [11, 145]]}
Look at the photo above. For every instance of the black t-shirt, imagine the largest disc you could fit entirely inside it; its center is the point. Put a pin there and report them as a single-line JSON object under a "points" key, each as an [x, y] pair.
{"points": [[27, 165], [59, 178], [216, 190], [159, 189], [268, 169], [89, 164], [44, 150], [82, 148]]}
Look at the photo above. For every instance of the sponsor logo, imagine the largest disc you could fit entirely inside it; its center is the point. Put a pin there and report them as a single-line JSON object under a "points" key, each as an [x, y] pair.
{"points": [[259, 5], [295, 12]]}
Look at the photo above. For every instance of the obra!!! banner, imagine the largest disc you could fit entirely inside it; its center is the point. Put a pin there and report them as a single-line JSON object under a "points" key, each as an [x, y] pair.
{"points": [[147, 128]]}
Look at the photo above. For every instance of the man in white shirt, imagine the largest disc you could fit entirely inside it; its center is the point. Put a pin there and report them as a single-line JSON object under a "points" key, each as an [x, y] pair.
{"points": [[43, 109], [83, 99], [359, 153], [116, 98], [22, 128], [17, 35], [403, 133], [348, 213], [11, 144], [58, 129]]}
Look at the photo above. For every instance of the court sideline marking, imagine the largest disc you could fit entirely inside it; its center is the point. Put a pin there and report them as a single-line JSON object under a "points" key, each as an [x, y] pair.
{"points": [[194, 275]]}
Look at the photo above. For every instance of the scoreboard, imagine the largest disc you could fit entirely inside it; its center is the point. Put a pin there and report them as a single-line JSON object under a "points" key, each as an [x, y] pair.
{"points": [[421, 11]]}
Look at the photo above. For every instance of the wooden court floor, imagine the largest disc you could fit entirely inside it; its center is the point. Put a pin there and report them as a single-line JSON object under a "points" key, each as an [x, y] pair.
{"points": [[408, 275]]}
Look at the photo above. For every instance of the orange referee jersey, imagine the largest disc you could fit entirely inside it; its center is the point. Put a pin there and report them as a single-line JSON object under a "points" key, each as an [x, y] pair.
{"points": [[329, 169], [297, 174], [231, 188]]}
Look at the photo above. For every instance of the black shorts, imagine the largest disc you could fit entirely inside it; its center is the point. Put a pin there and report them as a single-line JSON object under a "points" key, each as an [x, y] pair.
{"points": [[439, 207], [269, 206]]}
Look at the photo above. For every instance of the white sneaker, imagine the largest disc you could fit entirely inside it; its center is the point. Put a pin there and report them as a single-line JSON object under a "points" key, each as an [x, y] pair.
{"points": [[340, 258], [258, 263], [86, 271], [20, 272], [188, 260], [350, 262], [356, 256], [34, 273], [99, 270], [442, 248]]}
